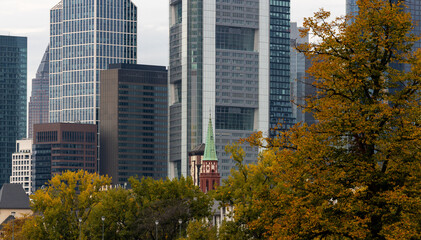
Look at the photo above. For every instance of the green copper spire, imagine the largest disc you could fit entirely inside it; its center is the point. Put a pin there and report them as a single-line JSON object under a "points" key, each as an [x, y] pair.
{"points": [[210, 152]]}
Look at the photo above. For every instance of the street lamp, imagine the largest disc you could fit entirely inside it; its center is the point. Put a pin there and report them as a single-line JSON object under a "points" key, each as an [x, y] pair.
{"points": [[180, 222], [156, 229], [80, 228], [103, 219], [13, 225]]}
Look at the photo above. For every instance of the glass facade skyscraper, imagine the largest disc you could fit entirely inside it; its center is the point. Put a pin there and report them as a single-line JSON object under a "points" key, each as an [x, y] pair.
{"points": [[134, 122], [38, 103], [280, 100], [13, 74], [351, 7], [225, 58], [414, 8], [85, 37]]}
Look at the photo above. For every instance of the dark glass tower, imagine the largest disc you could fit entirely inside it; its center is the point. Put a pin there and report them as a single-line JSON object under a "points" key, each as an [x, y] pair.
{"points": [[13, 74], [280, 100], [134, 122], [38, 103]]}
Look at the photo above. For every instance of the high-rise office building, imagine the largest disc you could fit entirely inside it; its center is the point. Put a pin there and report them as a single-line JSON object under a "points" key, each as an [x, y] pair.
{"points": [[351, 7], [38, 103], [22, 165], [134, 122], [231, 59], [85, 37], [301, 83], [13, 74], [279, 70], [60, 147], [414, 8]]}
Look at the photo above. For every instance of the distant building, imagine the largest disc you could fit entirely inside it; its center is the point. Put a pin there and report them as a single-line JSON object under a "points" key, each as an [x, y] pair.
{"points": [[301, 83], [134, 122], [195, 163], [38, 103], [414, 8], [351, 7], [13, 74], [22, 165], [60, 147], [13, 201], [203, 163], [230, 59], [85, 37]]}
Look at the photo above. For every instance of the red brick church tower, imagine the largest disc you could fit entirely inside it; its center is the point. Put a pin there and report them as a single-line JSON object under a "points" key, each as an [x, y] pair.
{"points": [[209, 175], [204, 164]]}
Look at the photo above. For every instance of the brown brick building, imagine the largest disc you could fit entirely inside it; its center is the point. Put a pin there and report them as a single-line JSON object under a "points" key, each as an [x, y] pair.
{"points": [[60, 147], [133, 122]]}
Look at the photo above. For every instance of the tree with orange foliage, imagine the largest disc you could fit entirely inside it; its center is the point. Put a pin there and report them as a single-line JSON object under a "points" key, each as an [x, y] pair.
{"points": [[13, 229], [356, 174]]}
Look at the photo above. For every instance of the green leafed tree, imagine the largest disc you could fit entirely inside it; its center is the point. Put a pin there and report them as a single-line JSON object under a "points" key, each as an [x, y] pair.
{"points": [[201, 230], [167, 201], [356, 173], [114, 216], [13, 229]]}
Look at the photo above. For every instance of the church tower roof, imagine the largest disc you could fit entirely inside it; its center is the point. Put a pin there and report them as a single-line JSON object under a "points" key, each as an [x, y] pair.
{"points": [[210, 152]]}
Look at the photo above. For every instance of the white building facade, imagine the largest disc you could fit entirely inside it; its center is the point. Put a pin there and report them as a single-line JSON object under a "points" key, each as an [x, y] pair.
{"points": [[22, 165]]}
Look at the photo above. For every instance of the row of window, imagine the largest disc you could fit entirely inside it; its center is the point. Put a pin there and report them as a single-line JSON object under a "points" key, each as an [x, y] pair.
{"points": [[73, 115], [69, 104]]}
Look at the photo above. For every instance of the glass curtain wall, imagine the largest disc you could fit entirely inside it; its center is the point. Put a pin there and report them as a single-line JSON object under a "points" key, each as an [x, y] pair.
{"points": [[85, 37]]}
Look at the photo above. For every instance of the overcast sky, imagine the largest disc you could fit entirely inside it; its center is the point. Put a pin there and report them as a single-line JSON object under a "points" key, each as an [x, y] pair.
{"points": [[30, 18]]}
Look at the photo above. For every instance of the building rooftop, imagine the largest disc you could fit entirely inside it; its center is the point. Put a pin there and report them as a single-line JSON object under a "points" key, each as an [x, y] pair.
{"points": [[58, 6], [12, 196], [210, 150], [198, 150]]}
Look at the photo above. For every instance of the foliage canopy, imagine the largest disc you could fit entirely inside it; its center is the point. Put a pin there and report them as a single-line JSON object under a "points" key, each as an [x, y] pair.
{"points": [[128, 213], [356, 173]]}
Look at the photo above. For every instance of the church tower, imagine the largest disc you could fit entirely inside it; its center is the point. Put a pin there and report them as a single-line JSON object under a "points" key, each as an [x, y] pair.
{"points": [[209, 175]]}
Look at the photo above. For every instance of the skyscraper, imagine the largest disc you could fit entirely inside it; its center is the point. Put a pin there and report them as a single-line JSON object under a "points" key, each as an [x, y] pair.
{"points": [[414, 8], [231, 59], [13, 73], [86, 36], [134, 122], [351, 7], [301, 83], [279, 72], [38, 103]]}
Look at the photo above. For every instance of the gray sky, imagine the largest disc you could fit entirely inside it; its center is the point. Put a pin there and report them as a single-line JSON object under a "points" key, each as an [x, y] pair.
{"points": [[30, 18]]}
